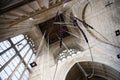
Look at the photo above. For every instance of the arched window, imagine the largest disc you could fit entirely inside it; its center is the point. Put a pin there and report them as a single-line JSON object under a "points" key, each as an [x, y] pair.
{"points": [[16, 54], [67, 54]]}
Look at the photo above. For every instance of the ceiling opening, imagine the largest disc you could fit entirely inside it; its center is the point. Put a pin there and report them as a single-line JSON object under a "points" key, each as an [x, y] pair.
{"points": [[53, 30]]}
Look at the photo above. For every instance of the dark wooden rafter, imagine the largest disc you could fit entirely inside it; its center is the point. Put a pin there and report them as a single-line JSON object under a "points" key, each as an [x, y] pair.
{"points": [[23, 2]]}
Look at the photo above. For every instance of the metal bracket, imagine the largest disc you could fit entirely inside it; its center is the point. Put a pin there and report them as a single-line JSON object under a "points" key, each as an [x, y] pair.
{"points": [[117, 32]]}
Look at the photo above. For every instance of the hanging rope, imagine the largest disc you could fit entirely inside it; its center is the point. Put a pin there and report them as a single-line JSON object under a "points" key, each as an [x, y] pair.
{"points": [[88, 26], [61, 32], [85, 37], [75, 24]]}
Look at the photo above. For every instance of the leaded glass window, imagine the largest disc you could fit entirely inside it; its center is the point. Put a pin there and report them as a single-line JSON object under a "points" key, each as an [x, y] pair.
{"points": [[67, 54], [16, 54]]}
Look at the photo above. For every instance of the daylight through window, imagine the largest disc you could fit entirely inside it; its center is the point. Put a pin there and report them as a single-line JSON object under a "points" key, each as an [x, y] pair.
{"points": [[16, 54]]}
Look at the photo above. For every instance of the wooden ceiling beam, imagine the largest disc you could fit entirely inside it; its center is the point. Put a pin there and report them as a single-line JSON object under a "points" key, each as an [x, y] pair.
{"points": [[34, 14], [15, 6]]}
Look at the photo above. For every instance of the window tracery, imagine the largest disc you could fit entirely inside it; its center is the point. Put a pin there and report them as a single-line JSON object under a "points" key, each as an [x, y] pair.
{"points": [[16, 54]]}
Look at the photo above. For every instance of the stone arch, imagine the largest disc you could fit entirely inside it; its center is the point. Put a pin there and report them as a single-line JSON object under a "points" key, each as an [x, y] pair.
{"points": [[101, 71], [65, 66]]}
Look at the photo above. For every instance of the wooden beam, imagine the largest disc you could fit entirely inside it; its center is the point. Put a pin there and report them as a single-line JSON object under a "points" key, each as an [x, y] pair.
{"points": [[15, 6], [36, 13]]}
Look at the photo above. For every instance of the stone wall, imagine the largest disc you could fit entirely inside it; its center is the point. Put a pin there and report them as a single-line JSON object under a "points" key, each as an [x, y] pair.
{"points": [[105, 19]]}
